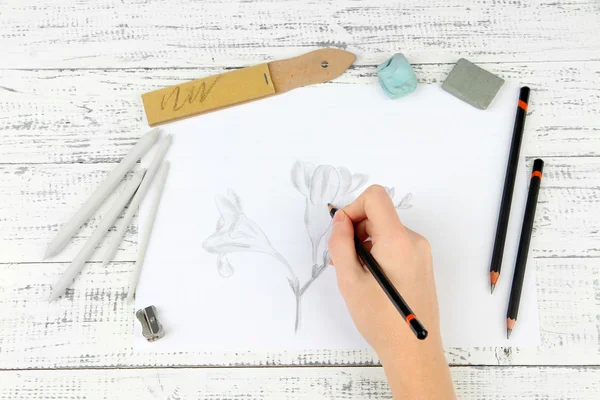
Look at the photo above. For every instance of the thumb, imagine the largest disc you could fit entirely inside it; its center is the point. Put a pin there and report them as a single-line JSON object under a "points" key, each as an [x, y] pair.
{"points": [[341, 247]]}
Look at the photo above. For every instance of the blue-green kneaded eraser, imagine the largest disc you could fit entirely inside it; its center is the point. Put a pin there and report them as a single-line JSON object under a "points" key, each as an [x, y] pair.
{"points": [[397, 77]]}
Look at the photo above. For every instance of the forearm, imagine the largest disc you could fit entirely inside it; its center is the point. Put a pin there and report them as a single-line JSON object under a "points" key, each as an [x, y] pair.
{"points": [[419, 372]]}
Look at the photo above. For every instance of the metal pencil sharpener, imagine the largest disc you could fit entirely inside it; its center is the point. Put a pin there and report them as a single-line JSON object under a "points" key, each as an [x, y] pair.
{"points": [[151, 328]]}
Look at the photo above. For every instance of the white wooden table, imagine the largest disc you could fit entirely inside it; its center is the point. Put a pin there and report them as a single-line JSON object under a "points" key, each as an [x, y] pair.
{"points": [[71, 77]]}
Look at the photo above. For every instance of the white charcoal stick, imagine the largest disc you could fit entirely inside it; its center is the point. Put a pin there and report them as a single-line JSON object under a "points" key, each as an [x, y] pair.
{"points": [[113, 246], [106, 187], [149, 223], [88, 248]]}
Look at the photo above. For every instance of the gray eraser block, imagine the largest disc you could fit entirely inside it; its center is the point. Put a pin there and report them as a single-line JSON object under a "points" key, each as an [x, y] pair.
{"points": [[472, 84]]}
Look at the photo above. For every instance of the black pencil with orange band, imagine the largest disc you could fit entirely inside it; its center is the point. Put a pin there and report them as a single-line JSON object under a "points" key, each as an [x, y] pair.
{"points": [[521, 263], [388, 287], [509, 185]]}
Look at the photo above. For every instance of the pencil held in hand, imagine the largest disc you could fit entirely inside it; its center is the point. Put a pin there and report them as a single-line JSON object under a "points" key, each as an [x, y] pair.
{"points": [[388, 287], [521, 263]]}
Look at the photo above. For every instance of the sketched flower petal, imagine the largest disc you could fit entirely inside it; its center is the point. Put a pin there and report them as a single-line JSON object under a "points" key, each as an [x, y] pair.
{"points": [[224, 267], [309, 171], [228, 210], [317, 221], [298, 178], [358, 181], [235, 199], [343, 201], [345, 179], [324, 185], [220, 223]]}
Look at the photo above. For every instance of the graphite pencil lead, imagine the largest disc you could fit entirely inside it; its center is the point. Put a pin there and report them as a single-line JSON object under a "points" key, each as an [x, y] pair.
{"points": [[508, 332], [493, 287]]}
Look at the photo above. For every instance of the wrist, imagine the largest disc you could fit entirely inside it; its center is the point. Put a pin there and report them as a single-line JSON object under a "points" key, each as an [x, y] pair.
{"points": [[407, 352], [411, 370]]}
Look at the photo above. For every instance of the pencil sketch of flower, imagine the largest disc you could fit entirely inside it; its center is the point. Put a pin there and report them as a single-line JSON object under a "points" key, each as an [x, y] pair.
{"points": [[319, 185], [322, 185], [236, 233], [402, 204]]}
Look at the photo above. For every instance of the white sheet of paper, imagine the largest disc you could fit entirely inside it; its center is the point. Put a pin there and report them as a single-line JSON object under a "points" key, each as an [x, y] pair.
{"points": [[450, 156]]}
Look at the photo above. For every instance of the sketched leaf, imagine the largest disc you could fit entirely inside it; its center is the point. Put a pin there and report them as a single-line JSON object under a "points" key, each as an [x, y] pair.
{"points": [[309, 171], [298, 178], [224, 267], [295, 285], [324, 185], [235, 199], [315, 270], [220, 223], [326, 258], [229, 212], [391, 191], [405, 202], [358, 181], [345, 179]]}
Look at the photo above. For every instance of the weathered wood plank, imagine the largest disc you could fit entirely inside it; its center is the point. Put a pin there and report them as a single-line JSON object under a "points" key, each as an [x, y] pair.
{"points": [[35, 200], [164, 33], [93, 325], [488, 383], [91, 116]]}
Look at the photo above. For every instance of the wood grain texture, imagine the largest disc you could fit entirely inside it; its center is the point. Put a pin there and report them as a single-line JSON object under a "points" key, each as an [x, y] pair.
{"points": [[92, 326], [91, 116], [70, 85], [181, 33], [581, 383]]}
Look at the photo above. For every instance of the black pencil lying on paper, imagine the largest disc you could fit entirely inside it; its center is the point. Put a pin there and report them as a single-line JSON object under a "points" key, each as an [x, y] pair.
{"points": [[371, 264], [521, 263], [509, 186]]}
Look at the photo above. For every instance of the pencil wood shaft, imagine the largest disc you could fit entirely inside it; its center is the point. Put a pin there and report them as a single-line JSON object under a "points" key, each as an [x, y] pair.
{"points": [[509, 186], [523, 251], [113, 246], [88, 248], [101, 193], [145, 239]]}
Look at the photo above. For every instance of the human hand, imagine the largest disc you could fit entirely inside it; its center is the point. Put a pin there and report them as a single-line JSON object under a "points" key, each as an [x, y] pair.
{"points": [[415, 368], [405, 257]]}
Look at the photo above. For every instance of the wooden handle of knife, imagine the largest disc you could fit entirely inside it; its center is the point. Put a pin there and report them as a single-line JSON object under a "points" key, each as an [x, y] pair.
{"points": [[207, 94], [317, 66]]}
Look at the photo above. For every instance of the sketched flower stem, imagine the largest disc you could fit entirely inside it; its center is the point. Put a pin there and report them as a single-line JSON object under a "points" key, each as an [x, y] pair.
{"points": [[285, 262]]}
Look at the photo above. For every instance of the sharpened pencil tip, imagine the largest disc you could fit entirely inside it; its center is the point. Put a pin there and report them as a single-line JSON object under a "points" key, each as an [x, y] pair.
{"points": [[330, 206], [493, 287], [508, 332]]}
